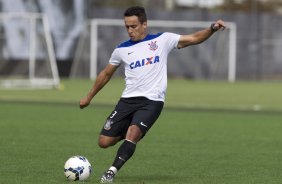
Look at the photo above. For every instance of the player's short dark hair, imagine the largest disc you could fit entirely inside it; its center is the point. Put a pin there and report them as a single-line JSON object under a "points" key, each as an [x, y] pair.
{"points": [[138, 11]]}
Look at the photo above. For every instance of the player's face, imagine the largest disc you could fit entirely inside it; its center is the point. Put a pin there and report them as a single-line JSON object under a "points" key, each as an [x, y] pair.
{"points": [[135, 29]]}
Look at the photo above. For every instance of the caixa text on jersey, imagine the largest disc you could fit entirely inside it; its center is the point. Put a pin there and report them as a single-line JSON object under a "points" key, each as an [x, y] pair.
{"points": [[144, 62]]}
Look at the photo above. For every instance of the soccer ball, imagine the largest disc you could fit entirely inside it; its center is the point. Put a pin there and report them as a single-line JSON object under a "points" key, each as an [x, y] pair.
{"points": [[77, 168]]}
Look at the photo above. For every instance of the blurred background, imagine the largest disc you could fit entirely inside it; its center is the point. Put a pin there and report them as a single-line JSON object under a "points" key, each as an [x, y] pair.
{"points": [[40, 38]]}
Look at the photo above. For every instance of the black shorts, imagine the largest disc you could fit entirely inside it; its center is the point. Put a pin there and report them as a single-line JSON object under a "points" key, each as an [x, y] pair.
{"points": [[138, 111]]}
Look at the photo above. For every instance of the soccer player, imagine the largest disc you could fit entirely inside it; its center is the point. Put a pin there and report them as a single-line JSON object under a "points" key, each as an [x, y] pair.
{"points": [[145, 60]]}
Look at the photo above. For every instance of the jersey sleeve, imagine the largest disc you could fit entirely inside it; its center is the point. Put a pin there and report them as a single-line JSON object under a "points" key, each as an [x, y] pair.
{"points": [[115, 58], [172, 40]]}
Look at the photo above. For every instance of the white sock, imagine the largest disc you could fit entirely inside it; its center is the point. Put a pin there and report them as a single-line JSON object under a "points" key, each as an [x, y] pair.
{"points": [[112, 168]]}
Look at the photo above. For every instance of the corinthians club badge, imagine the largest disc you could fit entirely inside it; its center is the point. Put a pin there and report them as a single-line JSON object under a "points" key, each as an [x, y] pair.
{"points": [[153, 45]]}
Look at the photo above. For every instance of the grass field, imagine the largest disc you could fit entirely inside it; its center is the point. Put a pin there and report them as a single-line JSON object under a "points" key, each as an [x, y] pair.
{"points": [[208, 133]]}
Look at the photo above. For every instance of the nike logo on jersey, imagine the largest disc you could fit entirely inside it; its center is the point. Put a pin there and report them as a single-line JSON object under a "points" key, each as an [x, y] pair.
{"points": [[144, 62], [130, 52], [143, 124]]}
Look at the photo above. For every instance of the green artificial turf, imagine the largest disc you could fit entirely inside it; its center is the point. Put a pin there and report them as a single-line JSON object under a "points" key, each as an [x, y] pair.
{"points": [[203, 136]]}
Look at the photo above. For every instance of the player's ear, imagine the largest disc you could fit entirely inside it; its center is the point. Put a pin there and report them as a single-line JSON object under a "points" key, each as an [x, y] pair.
{"points": [[145, 24]]}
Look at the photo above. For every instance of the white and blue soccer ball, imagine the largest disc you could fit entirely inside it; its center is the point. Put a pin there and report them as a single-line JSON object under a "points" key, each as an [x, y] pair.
{"points": [[77, 168]]}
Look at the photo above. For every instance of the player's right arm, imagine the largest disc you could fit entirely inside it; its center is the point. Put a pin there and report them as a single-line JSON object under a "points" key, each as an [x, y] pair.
{"points": [[101, 80]]}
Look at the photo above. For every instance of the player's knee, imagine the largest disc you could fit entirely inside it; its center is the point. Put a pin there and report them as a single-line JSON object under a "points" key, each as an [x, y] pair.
{"points": [[105, 142], [134, 133]]}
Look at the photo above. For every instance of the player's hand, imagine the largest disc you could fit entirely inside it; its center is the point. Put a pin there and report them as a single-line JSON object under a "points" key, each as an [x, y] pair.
{"points": [[218, 25], [84, 102]]}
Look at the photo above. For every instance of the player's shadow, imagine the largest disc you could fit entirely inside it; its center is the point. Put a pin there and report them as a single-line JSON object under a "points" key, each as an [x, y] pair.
{"points": [[141, 179]]}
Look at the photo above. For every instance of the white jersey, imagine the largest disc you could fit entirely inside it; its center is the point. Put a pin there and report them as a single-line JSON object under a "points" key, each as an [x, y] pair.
{"points": [[145, 65]]}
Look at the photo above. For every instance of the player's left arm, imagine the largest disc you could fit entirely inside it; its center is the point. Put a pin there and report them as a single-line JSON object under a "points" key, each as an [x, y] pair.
{"points": [[200, 36]]}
